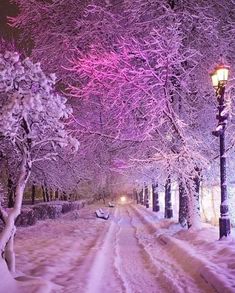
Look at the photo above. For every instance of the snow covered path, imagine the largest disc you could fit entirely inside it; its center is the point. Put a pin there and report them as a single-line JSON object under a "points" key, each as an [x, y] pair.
{"points": [[171, 273], [91, 255], [132, 262]]}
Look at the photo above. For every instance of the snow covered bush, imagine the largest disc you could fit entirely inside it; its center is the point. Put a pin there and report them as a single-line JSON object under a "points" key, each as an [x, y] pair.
{"points": [[33, 120]]}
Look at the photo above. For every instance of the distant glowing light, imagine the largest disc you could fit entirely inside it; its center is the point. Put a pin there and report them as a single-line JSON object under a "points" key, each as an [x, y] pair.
{"points": [[123, 199]]}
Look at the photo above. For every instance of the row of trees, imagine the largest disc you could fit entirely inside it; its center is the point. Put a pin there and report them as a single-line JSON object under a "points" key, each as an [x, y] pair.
{"points": [[135, 74], [189, 207]]}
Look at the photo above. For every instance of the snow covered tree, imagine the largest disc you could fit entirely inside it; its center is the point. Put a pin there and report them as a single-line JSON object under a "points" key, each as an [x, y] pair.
{"points": [[32, 120], [145, 63]]}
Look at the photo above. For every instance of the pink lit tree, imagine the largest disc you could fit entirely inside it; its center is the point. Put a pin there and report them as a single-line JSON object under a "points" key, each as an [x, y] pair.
{"points": [[138, 77]]}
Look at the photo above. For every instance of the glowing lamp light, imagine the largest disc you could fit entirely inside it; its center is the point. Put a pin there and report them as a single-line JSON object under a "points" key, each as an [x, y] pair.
{"points": [[214, 79], [123, 199], [220, 75]]}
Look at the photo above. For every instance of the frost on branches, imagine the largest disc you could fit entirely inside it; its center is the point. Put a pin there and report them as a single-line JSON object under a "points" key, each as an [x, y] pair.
{"points": [[32, 122], [142, 68]]}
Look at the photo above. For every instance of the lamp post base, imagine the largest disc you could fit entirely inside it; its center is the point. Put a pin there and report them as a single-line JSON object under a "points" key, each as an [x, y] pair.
{"points": [[224, 227]]}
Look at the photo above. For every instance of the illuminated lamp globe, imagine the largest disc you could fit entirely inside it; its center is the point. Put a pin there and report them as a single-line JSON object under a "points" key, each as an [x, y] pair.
{"points": [[123, 199], [220, 75], [222, 72], [214, 79]]}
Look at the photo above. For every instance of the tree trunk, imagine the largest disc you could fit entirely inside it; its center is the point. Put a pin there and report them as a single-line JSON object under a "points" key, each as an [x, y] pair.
{"points": [[51, 194], [47, 194], [57, 194], [33, 194], [142, 196], [43, 193], [202, 204], [194, 220], [183, 205], [146, 196], [7, 235], [11, 192], [156, 206], [168, 205], [136, 196]]}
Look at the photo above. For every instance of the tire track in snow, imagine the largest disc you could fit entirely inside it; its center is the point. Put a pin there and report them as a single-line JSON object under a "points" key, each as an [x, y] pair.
{"points": [[172, 273], [79, 262], [133, 264], [103, 276]]}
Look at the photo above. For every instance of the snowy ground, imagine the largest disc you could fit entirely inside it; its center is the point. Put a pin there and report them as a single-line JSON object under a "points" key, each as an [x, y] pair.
{"points": [[134, 251]]}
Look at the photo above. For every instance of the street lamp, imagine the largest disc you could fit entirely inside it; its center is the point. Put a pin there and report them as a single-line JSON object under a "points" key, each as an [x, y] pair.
{"points": [[219, 80]]}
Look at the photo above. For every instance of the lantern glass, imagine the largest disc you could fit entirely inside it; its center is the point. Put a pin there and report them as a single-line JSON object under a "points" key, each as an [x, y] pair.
{"points": [[214, 78], [222, 73]]}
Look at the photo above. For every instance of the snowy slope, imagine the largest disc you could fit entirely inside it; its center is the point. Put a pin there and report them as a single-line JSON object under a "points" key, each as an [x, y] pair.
{"points": [[198, 251]]}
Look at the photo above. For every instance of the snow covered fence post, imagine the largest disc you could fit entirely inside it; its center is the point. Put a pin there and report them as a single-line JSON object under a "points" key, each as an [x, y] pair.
{"points": [[168, 205], [32, 125], [156, 206]]}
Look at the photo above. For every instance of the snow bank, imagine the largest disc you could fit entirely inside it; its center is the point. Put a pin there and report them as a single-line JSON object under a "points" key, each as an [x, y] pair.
{"points": [[22, 284], [198, 251], [61, 251]]}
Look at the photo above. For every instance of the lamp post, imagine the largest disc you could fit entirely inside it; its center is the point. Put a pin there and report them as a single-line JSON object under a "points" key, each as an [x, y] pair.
{"points": [[219, 80]]}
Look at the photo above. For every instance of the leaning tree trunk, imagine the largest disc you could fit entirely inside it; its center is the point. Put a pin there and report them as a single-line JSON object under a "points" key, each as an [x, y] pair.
{"points": [[8, 233]]}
